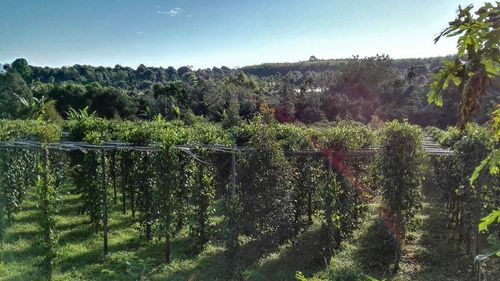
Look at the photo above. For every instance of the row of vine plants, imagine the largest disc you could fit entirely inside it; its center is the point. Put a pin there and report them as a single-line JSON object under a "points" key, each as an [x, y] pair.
{"points": [[266, 190], [466, 200]]}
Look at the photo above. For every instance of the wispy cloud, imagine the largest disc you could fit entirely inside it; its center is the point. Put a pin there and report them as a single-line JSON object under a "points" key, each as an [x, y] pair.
{"points": [[173, 13], [139, 32]]}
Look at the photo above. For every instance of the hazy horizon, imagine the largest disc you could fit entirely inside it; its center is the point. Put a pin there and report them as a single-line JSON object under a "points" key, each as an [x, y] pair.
{"points": [[217, 66]]}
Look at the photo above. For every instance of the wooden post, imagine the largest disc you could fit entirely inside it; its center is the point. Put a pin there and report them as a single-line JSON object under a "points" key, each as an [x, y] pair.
{"points": [[328, 215], [124, 177], [2, 222], [398, 234], [131, 185], [309, 207], [147, 195], [468, 231], [48, 226], [2, 219], [168, 215], [233, 175], [105, 203], [168, 236], [233, 238], [113, 173]]}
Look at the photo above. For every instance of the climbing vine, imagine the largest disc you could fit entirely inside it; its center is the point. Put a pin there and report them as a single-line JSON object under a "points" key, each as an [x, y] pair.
{"points": [[400, 178], [47, 196], [467, 201], [166, 190]]}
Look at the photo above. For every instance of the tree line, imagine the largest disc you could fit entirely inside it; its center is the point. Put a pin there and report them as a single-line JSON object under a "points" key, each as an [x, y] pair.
{"points": [[369, 89]]}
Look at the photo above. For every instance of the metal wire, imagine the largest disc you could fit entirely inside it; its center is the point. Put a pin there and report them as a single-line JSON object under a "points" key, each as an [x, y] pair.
{"points": [[428, 147]]}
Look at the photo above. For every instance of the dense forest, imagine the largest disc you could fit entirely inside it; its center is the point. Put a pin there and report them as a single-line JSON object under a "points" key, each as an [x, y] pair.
{"points": [[370, 89]]}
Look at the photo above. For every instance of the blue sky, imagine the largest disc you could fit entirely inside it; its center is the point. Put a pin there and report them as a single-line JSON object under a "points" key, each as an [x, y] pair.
{"points": [[206, 33]]}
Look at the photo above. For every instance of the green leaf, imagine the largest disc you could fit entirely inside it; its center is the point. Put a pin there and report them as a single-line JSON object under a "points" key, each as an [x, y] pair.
{"points": [[493, 217], [490, 67], [434, 97], [300, 276], [445, 83], [478, 170], [456, 80], [494, 169]]}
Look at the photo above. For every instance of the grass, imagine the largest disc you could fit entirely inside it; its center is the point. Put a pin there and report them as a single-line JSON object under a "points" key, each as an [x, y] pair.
{"points": [[429, 252], [80, 254]]}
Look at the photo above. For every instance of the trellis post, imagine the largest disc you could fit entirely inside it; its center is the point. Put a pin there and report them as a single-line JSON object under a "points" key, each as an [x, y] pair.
{"points": [[168, 210], [105, 203], [328, 212], [233, 175], [113, 173], [132, 187], [2, 220], [233, 239], [124, 180], [147, 199], [48, 222]]}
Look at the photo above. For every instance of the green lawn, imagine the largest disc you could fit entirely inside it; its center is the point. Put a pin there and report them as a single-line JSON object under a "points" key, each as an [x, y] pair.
{"points": [[80, 255], [429, 253]]}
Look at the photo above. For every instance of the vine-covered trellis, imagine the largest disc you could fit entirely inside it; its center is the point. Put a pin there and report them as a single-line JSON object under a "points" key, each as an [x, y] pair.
{"points": [[271, 189], [466, 202]]}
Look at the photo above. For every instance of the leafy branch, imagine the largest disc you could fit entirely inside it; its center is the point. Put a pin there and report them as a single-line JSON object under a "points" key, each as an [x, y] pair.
{"points": [[476, 61]]}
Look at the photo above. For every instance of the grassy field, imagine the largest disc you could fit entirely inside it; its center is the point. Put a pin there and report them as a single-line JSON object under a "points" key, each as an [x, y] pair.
{"points": [[80, 255], [428, 254]]}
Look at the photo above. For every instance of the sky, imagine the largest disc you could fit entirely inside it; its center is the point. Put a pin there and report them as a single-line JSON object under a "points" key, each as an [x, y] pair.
{"points": [[207, 33]]}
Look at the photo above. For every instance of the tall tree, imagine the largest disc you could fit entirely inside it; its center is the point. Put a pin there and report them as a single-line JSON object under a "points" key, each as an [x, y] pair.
{"points": [[22, 67], [12, 90]]}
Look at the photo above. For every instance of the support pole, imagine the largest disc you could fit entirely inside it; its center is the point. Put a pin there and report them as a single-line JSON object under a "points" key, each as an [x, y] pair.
{"points": [[48, 223], [124, 179], [233, 222], [328, 214], [2, 200], [168, 214], [113, 173], [397, 253], [168, 236], [105, 203], [233, 175], [147, 199], [132, 182], [309, 207]]}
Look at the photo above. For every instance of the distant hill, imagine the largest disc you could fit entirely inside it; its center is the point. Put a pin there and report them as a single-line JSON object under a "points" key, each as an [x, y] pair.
{"points": [[270, 69], [143, 76]]}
